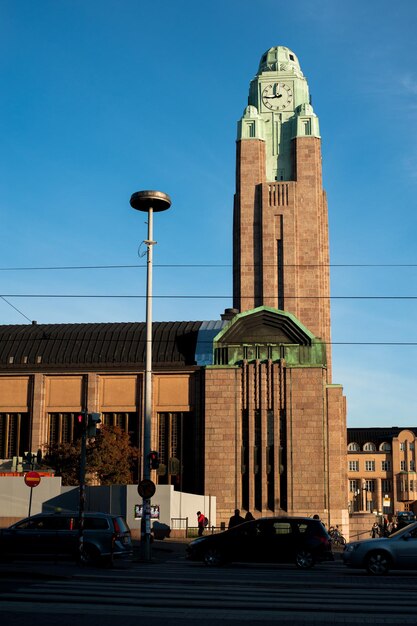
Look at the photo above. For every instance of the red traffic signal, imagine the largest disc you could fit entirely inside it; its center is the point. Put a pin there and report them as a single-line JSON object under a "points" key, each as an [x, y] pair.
{"points": [[154, 459], [79, 424]]}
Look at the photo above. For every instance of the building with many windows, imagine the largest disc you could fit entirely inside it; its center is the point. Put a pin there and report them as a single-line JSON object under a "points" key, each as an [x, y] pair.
{"points": [[381, 465]]}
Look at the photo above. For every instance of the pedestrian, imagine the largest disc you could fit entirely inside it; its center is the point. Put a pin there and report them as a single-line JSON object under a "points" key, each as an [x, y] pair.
{"points": [[200, 523], [249, 517], [375, 530], [236, 519]]}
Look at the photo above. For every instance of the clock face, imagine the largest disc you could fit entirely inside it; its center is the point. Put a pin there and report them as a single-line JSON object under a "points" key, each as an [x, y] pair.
{"points": [[277, 96]]}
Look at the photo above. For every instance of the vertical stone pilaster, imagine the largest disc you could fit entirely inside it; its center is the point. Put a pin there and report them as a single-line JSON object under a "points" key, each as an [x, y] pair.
{"points": [[37, 409], [379, 495], [92, 392]]}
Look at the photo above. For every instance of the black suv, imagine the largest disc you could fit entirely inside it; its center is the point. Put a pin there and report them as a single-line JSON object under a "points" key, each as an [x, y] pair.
{"points": [[56, 535], [300, 540]]}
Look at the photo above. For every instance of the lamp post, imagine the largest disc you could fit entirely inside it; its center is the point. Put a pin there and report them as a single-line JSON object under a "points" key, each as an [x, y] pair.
{"points": [[149, 202]]}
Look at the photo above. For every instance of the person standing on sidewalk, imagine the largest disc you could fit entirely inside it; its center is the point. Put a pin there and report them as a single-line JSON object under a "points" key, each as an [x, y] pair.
{"points": [[236, 519], [200, 523]]}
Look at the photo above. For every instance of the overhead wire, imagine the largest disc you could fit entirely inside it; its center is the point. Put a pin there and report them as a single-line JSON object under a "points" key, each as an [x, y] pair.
{"points": [[199, 265], [198, 296]]}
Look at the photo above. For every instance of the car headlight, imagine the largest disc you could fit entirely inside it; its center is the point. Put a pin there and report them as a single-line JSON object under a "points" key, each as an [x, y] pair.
{"points": [[350, 547]]}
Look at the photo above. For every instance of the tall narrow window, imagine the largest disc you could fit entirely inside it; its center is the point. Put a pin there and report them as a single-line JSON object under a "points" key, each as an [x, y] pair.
{"points": [[282, 459], [177, 451], [270, 469], [245, 459], [129, 422], [280, 269], [257, 462], [14, 434], [62, 428]]}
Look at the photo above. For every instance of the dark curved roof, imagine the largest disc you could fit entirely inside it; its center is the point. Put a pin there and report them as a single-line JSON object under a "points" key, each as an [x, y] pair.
{"points": [[375, 435], [34, 346]]}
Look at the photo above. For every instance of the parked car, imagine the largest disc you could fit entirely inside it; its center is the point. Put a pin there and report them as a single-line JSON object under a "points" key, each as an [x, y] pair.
{"points": [[404, 518], [56, 535], [300, 540], [378, 556]]}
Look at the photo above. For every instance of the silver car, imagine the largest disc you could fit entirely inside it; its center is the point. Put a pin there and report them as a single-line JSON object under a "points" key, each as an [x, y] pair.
{"points": [[378, 556]]}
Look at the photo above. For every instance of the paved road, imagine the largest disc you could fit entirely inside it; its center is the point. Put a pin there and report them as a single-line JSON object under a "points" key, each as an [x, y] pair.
{"points": [[174, 592]]}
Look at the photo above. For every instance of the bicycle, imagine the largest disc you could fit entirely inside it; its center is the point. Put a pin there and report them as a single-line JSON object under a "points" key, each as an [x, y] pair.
{"points": [[336, 537]]}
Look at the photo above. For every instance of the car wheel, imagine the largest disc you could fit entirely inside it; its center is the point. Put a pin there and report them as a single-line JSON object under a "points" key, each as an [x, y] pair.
{"points": [[90, 555], [213, 557], [378, 563], [304, 559]]}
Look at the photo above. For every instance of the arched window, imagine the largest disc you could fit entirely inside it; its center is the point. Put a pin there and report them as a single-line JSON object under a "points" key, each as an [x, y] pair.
{"points": [[353, 447], [385, 447], [369, 447]]}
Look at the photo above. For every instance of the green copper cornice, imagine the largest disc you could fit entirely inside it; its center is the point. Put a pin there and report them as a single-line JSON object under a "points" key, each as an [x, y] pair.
{"points": [[252, 125], [264, 334]]}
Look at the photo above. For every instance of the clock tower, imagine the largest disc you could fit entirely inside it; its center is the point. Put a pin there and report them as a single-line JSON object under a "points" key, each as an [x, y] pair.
{"points": [[281, 248]]}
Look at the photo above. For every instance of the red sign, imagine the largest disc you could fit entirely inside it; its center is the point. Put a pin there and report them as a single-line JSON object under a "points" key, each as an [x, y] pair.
{"points": [[32, 479]]}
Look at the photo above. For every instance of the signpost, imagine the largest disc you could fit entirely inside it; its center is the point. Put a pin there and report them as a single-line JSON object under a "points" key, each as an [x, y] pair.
{"points": [[146, 489], [32, 479]]}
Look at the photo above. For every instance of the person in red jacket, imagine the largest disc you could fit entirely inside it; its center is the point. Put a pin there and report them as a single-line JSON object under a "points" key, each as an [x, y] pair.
{"points": [[200, 522]]}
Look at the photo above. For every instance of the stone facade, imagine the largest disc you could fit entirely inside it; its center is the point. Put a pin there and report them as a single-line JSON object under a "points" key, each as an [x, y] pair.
{"points": [[281, 261], [381, 465]]}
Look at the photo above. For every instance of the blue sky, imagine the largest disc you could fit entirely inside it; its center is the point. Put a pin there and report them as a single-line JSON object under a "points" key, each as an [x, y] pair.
{"points": [[101, 98]]}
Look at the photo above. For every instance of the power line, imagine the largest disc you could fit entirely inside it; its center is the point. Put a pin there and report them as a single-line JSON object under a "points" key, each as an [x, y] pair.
{"points": [[199, 265], [15, 308], [200, 297]]}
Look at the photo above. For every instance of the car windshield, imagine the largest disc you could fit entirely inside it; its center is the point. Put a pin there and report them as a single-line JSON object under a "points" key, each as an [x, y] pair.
{"points": [[406, 529]]}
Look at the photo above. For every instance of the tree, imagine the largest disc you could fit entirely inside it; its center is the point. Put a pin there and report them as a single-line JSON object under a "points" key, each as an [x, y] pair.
{"points": [[111, 459], [64, 459]]}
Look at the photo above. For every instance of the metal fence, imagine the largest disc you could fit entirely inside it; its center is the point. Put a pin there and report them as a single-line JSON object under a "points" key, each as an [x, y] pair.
{"points": [[181, 523]]}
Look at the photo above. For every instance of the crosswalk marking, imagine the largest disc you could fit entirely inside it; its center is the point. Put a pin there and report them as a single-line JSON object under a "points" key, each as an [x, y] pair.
{"points": [[219, 594]]}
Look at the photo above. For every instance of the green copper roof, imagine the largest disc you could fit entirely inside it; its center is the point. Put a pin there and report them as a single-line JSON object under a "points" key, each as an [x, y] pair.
{"points": [[279, 59], [264, 334], [279, 109]]}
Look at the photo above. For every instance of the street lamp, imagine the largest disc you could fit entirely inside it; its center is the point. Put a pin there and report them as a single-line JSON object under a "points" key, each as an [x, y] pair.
{"points": [[149, 202]]}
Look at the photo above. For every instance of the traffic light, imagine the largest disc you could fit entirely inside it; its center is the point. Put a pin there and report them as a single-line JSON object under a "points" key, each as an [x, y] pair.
{"points": [[154, 459], [79, 424], [92, 420]]}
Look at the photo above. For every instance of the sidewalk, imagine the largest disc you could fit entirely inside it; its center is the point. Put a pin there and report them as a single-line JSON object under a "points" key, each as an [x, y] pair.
{"points": [[164, 550]]}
